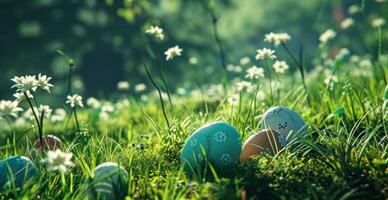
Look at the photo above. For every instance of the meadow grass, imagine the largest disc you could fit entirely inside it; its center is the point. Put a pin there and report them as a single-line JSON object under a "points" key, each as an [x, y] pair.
{"points": [[344, 156]]}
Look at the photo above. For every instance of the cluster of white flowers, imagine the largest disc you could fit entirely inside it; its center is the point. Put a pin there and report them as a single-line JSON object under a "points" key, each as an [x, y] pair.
{"points": [[277, 38], [265, 54], [172, 52], [58, 161], [155, 31], [234, 68], [75, 100], [326, 36], [346, 23], [46, 110], [254, 73], [280, 66], [9, 108], [30, 83]]}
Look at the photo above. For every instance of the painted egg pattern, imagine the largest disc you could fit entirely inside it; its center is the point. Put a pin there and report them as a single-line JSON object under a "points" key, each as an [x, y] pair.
{"points": [[219, 142], [284, 121], [109, 179], [17, 168], [263, 141]]}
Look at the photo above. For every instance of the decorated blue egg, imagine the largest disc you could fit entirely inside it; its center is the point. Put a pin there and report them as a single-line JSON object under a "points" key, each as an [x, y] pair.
{"points": [[16, 170], [110, 180], [219, 143], [284, 121]]}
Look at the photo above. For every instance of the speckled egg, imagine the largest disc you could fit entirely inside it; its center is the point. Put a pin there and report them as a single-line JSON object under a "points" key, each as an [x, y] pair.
{"points": [[266, 140], [218, 142], [50, 142], [284, 121], [109, 181], [17, 169]]}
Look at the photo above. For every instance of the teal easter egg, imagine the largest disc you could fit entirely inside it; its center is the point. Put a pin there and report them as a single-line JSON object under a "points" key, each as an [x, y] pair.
{"points": [[17, 170], [110, 181], [285, 121], [217, 142]]}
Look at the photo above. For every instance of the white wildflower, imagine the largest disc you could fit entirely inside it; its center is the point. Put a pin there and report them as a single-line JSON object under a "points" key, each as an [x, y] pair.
{"points": [[140, 87], [353, 9], [280, 66], [234, 100], [365, 63], [93, 102], [172, 52], [75, 100], [58, 161], [43, 82], [193, 61], [346, 23], [59, 115], [21, 97], [155, 31], [181, 91], [328, 35], [25, 83], [378, 22], [244, 85], [46, 110], [255, 73], [265, 54], [123, 85], [9, 108], [245, 60], [260, 95], [277, 38]]}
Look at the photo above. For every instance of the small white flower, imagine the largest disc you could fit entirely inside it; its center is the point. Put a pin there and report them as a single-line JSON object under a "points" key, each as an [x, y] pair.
{"points": [[107, 107], [93, 102], [378, 22], [25, 83], [245, 60], [172, 52], [353, 9], [220, 137], [193, 61], [181, 91], [43, 82], [254, 73], [140, 87], [123, 85], [59, 115], [75, 100], [21, 97], [46, 109], [346, 23], [265, 54], [155, 31], [58, 161], [328, 35], [244, 85], [9, 108], [277, 38], [260, 95], [280, 66], [365, 63], [234, 100]]}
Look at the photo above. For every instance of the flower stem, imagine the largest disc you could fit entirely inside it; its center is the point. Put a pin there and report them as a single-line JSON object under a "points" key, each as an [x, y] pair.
{"points": [[40, 133], [76, 119], [270, 79]]}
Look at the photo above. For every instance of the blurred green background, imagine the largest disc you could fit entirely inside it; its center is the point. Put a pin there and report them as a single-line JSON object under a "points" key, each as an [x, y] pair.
{"points": [[107, 40]]}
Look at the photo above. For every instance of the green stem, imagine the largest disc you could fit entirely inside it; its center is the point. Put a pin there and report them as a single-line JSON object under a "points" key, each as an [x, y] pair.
{"points": [[40, 133], [76, 119]]}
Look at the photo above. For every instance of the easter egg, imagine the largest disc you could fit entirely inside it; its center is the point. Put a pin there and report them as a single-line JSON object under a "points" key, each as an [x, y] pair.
{"points": [[284, 121], [217, 142], [109, 181], [266, 140], [16, 170], [50, 142]]}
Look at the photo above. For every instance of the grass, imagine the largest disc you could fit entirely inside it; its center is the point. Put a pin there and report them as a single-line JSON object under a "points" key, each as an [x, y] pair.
{"points": [[344, 156]]}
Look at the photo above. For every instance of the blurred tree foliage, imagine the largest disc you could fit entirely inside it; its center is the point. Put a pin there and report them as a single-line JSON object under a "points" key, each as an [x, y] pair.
{"points": [[106, 37]]}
